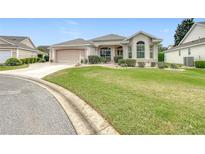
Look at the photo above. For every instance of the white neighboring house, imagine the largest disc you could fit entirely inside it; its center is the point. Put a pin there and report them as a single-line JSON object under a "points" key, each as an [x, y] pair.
{"points": [[190, 49], [16, 46], [140, 46]]}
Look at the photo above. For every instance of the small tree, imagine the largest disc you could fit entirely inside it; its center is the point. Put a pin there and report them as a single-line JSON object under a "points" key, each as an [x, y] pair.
{"points": [[161, 50], [182, 30]]}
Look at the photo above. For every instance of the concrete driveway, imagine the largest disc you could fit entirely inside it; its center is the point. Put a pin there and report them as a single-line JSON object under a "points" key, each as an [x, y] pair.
{"points": [[38, 70], [26, 108]]}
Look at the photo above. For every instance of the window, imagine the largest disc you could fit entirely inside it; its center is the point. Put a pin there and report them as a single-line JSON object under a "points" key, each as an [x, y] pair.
{"points": [[106, 53], [151, 52], [129, 51], [140, 49], [119, 51], [189, 51], [179, 52]]}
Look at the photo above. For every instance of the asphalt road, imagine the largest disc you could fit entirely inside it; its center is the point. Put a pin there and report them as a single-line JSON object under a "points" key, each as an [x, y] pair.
{"points": [[26, 108]]}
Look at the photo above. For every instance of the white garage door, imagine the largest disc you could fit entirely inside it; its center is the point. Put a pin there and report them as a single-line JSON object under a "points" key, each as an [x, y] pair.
{"points": [[68, 56], [4, 55]]}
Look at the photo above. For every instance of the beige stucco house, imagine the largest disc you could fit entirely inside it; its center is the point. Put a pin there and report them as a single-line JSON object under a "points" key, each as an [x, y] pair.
{"points": [[16, 46], [190, 49], [140, 46]]}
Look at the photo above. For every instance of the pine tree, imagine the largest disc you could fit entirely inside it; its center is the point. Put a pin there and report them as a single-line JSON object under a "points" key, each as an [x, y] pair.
{"points": [[182, 29]]}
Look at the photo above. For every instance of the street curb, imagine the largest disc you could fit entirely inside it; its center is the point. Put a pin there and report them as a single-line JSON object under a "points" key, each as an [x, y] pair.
{"points": [[84, 118]]}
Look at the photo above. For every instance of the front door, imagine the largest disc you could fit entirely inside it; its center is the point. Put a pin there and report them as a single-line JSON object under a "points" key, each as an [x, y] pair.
{"points": [[105, 53]]}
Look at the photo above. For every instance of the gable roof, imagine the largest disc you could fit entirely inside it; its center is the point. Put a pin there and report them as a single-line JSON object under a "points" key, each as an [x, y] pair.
{"points": [[15, 42], [109, 37], [75, 42], [142, 32], [194, 25], [191, 43]]}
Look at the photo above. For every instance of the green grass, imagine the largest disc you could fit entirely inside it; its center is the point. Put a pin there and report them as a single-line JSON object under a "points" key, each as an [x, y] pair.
{"points": [[5, 68], [141, 101]]}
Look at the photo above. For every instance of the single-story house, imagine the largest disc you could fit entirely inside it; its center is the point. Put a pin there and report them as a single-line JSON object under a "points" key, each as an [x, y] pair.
{"points": [[190, 49], [16, 46], [140, 46]]}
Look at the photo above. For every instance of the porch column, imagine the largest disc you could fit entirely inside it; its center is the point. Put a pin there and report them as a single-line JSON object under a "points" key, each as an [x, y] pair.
{"points": [[155, 56], [112, 53], [125, 51], [52, 54]]}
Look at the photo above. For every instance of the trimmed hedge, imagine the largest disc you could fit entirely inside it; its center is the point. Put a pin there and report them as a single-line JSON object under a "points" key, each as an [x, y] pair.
{"points": [[46, 58], [127, 62], [29, 60], [93, 59], [116, 58], [162, 65], [13, 62], [153, 64], [141, 64], [200, 64]]}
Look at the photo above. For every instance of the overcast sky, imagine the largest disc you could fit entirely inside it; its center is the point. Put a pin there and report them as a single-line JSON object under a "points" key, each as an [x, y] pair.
{"points": [[52, 31]]}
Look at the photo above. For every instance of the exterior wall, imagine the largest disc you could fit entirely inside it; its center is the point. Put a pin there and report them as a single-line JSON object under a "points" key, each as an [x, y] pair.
{"points": [[197, 32], [148, 42], [90, 51], [28, 43], [25, 53], [198, 52]]}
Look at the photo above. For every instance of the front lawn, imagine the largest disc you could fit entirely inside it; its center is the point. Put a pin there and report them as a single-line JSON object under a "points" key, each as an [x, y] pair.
{"points": [[141, 101], [5, 68]]}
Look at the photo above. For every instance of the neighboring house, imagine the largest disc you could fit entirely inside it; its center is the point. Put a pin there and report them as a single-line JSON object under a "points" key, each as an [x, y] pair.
{"points": [[190, 49], [141, 46], [16, 46], [44, 49]]}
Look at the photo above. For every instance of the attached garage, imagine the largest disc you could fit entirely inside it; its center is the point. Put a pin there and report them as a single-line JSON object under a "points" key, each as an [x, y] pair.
{"points": [[4, 55], [71, 56]]}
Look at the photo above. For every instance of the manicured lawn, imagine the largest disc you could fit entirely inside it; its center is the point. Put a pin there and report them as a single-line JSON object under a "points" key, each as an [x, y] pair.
{"points": [[141, 101], [4, 68]]}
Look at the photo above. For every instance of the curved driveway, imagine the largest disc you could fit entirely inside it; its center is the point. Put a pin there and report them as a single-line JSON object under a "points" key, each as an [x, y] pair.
{"points": [[26, 108]]}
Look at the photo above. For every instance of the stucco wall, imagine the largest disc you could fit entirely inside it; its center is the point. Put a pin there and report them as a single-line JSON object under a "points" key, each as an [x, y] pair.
{"points": [[26, 54], [197, 32], [198, 52], [28, 43]]}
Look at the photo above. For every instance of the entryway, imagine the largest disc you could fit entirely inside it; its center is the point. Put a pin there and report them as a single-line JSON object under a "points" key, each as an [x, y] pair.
{"points": [[189, 61]]}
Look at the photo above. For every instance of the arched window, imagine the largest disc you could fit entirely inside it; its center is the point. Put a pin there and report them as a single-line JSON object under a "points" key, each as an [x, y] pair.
{"points": [[140, 49]]}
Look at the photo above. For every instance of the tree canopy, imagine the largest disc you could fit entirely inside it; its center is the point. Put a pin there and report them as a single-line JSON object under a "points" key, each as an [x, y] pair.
{"points": [[182, 30]]}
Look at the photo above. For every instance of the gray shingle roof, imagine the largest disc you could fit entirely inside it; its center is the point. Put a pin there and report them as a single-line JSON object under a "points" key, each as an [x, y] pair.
{"points": [[109, 37], [76, 42], [16, 42], [201, 23], [201, 40]]}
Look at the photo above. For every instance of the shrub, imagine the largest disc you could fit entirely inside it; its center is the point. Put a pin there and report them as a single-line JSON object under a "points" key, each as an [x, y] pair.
{"points": [[23, 61], [175, 66], [93, 59], [46, 58], [131, 62], [13, 62], [41, 61], [81, 61], [123, 65], [153, 64], [121, 61], [40, 56], [103, 60], [200, 64], [141, 64], [128, 62], [161, 56], [116, 58], [162, 65]]}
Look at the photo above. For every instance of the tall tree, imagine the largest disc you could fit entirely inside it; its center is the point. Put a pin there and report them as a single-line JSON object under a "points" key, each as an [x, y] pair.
{"points": [[182, 29]]}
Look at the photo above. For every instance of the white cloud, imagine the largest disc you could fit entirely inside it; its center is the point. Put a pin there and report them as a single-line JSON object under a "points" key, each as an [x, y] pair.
{"points": [[166, 30], [71, 22], [70, 31]]}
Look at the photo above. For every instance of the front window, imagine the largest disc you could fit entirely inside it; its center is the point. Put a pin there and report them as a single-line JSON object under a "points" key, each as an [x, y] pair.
{"points": [[129, 51], [119, 51], [140, 49], [151, 52], [105, 53]]}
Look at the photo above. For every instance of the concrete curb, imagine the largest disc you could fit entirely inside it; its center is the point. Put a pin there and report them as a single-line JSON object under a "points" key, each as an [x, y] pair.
{"points": [[84, 118]]}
